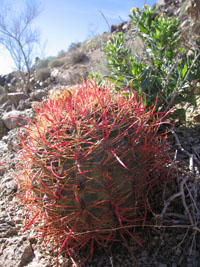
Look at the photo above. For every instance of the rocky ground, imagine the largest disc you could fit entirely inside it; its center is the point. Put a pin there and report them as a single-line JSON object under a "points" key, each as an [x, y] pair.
{"points": [[172, 242]]}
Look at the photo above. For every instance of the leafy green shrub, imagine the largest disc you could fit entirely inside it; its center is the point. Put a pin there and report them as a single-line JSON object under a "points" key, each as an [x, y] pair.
{"points": [[167, 67], [94, 164], [42, 74]]}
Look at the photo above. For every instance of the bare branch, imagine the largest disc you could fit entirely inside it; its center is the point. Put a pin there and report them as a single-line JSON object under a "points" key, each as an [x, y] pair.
{"points": [[16, 34]]}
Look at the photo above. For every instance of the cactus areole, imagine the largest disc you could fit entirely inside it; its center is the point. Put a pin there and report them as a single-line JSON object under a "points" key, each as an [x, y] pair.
{"points": [[89, 165]]}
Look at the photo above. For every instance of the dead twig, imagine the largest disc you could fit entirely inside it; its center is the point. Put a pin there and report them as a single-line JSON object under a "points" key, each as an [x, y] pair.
{"points": [[191, 156]]}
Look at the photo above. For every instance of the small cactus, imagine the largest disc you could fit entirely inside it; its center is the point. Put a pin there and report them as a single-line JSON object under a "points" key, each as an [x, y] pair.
{"points": [[89, 162]]}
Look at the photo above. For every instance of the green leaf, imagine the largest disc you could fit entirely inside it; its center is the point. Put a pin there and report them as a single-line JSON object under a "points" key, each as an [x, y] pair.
{"points": [[142, 28], [120, 78], [184, 71], [157, 33]]}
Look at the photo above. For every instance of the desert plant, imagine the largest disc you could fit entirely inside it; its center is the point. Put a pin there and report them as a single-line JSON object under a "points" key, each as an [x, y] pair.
{"points": [[92, 166], [61, 53], [42, 63], [76, 56], [167, 67], [74, 46], [42, 74], [56, 62], [96, 42]]}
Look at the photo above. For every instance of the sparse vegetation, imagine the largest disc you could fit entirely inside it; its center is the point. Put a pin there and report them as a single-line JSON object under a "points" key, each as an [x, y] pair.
{"points": [[42, 74], [56, 62], [75, 56], [95, 42], [43, 63], [74, 46]]}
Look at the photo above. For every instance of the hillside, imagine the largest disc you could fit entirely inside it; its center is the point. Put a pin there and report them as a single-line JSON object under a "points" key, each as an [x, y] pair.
{"points": [[175, 242]]}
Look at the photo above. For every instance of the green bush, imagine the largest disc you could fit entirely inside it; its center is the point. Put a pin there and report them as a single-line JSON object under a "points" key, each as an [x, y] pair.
{"points": [[167, 67]]}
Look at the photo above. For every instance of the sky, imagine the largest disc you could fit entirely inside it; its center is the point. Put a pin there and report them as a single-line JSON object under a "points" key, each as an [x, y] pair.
{"points": [[62, 22]]}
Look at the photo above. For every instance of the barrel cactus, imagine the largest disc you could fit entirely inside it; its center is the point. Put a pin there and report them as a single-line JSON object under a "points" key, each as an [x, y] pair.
{"points": [[90, 164]]}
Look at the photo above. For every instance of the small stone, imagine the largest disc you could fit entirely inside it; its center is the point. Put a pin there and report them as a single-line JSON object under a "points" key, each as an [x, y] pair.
{"points": [[11, 187], [27, 256]]}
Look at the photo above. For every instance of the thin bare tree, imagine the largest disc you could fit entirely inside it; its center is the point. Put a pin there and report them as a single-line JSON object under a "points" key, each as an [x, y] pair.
{"points": [[17, 35]]}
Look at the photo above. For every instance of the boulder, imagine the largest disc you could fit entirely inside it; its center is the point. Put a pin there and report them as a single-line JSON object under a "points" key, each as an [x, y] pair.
{"points": [[118, 27], [71, 76], [6, 78], [38, 94], [2, 80], [14, 118], [16, 97]]}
